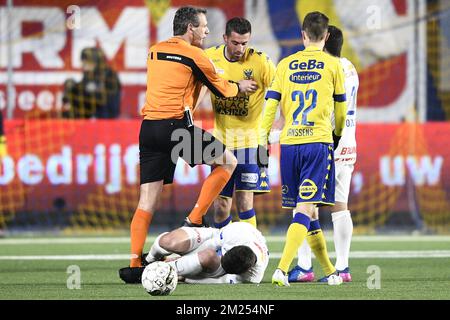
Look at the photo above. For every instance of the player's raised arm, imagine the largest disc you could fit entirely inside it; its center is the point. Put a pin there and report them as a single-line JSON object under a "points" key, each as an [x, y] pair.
{"points": [[340, 104]]}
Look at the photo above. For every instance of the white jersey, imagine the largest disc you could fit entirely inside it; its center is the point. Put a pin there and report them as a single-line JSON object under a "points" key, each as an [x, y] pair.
{"points": [[346, 150], [243, 233]]}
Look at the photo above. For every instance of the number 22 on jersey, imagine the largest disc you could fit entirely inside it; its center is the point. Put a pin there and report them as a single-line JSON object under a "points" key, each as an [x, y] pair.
{"points": [[310, 95]]}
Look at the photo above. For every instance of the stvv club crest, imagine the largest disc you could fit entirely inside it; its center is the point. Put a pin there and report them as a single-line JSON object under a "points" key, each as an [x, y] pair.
{"points": [[248, 74]]}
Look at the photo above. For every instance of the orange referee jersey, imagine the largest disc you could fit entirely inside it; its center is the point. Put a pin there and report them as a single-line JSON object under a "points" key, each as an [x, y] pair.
{"points": [[176, 71]]}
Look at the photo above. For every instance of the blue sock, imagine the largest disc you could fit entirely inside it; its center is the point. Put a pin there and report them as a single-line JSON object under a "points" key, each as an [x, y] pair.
{"points": [[314, 225], [222, 224], [247, 214]]}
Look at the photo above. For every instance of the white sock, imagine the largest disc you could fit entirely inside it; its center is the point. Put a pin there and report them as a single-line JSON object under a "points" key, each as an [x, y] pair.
{"points": [[188, 265], [156, 251], [304, 256], [342, 234], [304, 253]]}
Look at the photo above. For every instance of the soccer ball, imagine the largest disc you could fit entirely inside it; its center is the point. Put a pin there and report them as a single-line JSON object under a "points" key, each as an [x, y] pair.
{"points": [[159, 278]]}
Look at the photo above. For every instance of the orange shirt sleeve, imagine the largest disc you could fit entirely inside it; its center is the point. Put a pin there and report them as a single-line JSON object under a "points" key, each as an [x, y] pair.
{"points": [[205, 71], [175, 72]]}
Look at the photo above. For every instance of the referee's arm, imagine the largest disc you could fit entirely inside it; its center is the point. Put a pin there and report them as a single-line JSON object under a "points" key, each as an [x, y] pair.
{"points": [[204, 71]]}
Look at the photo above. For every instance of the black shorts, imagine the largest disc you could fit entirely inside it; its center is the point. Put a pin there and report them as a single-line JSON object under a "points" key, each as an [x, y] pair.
{"points": [[162, 142]]}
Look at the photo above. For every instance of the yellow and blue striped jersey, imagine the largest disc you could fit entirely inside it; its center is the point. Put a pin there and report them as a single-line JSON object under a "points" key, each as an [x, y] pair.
{"points": [[238, 119], [309, 85]]}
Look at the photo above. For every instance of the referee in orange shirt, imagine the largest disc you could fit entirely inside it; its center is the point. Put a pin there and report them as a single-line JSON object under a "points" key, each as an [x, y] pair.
{"points": [[176, 71]]}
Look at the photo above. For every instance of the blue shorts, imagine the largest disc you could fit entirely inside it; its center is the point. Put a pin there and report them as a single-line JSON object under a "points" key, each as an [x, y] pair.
{"points": [[307, 174], [247, 176]]}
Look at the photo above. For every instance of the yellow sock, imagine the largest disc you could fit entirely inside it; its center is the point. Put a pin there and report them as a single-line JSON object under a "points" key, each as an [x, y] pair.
{"points": [[318, 245], [248, 216], [294, 238]]}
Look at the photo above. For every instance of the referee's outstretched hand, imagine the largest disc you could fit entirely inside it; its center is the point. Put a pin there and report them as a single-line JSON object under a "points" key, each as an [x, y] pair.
{"points": [[247, 86]]}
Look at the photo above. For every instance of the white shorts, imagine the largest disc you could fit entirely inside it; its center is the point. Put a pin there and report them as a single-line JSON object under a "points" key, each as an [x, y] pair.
{"points": [[343, 174]]}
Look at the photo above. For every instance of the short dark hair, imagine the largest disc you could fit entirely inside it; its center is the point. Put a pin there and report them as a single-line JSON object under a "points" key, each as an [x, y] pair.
{"points": [[334, 43], [315, 25], [238, 260], [238, 25], [183, 17]]}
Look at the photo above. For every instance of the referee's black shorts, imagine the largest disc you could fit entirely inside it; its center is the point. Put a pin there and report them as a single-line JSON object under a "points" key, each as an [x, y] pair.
{"points": [[161, 142]]}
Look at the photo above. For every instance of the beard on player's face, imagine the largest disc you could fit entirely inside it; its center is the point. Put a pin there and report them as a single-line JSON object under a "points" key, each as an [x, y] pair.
{"points": [[236, 45]]}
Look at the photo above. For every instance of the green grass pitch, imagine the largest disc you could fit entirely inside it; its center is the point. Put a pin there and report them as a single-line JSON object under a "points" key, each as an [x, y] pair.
{"points": [[423, 271]]}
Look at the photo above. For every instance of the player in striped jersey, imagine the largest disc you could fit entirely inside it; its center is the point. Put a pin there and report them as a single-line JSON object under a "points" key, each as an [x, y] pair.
{"points": [[345, 158]]}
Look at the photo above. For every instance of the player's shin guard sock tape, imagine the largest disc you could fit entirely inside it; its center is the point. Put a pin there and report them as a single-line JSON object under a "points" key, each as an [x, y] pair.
{"points": [[342, 235], [211, 188], [304, 256], [248, 216], [156, 251], [188, 265], [318, 245], [335, 216], [138, 233], [295, 235]]}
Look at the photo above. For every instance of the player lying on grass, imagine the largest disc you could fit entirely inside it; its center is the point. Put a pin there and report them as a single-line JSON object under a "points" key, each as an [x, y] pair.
{"points": [[236, 253]]}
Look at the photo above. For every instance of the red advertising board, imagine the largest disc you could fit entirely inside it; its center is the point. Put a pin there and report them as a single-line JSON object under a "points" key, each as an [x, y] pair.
{"points": [[72, 160]]}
